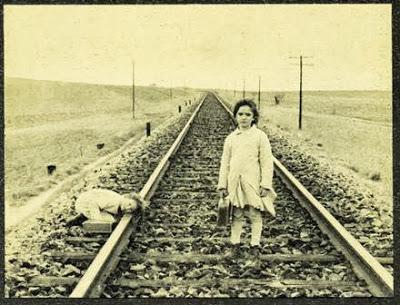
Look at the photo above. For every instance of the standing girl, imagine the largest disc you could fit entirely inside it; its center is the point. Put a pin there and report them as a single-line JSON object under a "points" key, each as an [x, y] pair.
{"points": [[246, 173]]}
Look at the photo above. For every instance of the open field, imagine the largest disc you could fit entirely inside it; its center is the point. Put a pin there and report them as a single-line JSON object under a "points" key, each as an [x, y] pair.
{"points": [[61, 123], [366, 105], [356, 136]]}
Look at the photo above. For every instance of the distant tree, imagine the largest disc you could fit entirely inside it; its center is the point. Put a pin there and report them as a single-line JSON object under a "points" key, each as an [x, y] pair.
{"points": [[279, 98]]}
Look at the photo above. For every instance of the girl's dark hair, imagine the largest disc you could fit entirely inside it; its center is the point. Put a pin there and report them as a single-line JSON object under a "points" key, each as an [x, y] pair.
{"points": [[251, 104]]}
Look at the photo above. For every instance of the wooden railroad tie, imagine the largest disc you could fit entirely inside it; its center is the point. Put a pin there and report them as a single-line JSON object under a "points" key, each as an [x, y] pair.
{"points": [[182, 200], [188, 191], [209, 258], [79, 239], [174, 239], [232, 282], [198, 257], [51, 281]]}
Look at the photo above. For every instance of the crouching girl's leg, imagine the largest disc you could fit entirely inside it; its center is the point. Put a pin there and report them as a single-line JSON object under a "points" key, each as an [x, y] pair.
{"points": [[256, 226], [237, 225]]}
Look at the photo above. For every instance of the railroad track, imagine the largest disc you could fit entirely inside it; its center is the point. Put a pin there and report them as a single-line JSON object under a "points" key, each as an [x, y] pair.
{"points": [[175, 250]]}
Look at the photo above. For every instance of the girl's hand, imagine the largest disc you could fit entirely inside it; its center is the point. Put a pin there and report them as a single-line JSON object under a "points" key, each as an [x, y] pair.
{"points": [[263, 191], [223, 192]]}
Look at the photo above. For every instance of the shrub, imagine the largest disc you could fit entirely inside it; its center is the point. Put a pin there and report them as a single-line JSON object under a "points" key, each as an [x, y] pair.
{"points": [[354, 168], [375, 176]]}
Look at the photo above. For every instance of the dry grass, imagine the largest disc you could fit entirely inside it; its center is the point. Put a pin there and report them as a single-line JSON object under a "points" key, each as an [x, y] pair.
{"points": [[373, 106], [67, 133]]}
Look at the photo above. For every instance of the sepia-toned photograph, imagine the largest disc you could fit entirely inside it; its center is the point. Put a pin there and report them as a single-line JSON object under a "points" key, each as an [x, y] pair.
{"points": [[218, 151]]}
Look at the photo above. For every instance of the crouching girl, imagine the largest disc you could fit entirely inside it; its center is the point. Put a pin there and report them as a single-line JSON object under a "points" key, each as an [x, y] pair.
{"points": [[105, 206]]}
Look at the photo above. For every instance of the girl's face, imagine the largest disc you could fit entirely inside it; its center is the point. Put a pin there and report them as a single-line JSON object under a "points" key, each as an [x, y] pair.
{"points": [[244, 117]]}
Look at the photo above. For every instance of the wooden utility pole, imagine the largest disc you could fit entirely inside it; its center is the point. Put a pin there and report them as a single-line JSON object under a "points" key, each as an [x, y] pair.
{"points": [[148, 129], [244, 88], [301, 93], [259, 92], [133, 90], [301, 88]]}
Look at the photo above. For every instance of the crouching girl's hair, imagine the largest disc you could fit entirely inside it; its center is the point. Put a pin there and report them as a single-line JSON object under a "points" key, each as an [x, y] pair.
{"points": [[143, 204]]}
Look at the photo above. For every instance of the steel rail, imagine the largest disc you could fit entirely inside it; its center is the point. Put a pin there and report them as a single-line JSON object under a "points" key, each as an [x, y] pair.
{"points": [[366, 267], [92, 283]]}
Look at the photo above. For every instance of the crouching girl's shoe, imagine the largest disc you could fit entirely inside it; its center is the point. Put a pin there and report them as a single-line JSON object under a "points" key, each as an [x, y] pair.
{"points": [[77, 220]]}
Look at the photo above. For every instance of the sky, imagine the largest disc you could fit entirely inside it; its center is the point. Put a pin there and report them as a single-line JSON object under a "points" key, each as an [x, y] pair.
{"points": [[346, 47]]}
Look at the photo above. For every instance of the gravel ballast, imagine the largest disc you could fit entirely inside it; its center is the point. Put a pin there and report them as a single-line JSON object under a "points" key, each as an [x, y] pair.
{"points": [[367, 218], [26, 244]]}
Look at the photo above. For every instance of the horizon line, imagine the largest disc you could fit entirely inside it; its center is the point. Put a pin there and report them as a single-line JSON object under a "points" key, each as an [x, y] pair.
{"points": [[202, 88]]}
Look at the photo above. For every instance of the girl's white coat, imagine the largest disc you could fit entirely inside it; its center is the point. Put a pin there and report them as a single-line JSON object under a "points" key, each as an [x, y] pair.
{"points": [[247, 165]]}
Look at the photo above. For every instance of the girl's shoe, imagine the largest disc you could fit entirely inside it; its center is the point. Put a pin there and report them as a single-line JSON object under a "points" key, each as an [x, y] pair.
{"points": [[254, 260], [77, 220], [255, 251], [234, 251]]}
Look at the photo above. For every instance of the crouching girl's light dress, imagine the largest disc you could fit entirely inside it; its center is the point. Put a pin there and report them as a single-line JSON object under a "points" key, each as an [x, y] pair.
{"points": [[101, 205]]}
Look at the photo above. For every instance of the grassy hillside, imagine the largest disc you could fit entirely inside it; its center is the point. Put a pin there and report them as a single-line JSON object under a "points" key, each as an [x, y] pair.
{"points": [[61, 123], [29, 102]]}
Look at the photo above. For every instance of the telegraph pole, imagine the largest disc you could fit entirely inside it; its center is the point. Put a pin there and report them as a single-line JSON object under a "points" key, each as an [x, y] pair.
{"points": [[301, 88], [301, 91], [133, 90], [244, 88], [259, 92]]}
